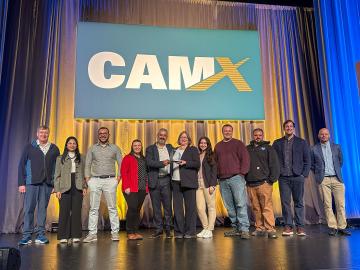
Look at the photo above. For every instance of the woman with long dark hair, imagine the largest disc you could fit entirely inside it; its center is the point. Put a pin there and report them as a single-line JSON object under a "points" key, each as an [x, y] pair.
{"points": [[70, 186], [205, 194], [134, 186]]}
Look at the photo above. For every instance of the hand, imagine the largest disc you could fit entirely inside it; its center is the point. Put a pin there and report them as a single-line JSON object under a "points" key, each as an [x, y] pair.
{"points": [[211, 190], [166, 162], [182, 162], [58, 195], [84, 191], [22, 189], [127, 191]]}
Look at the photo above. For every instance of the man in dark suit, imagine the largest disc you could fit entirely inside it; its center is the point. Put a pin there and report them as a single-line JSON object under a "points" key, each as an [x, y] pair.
{"points": [[295, 161], [158, 158], [326, 163]]}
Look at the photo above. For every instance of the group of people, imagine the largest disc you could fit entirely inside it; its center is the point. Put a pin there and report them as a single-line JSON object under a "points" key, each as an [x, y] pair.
{"points": [[182, 183]]}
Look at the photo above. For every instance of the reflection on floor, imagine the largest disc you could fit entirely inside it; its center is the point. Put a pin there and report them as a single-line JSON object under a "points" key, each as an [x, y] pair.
{"points": [[315, 251]]}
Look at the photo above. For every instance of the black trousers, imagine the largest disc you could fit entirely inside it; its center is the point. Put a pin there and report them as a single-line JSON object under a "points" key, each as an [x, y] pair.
{"points": [[70, 212], [162, 195], [134, 201], [184, 224]]}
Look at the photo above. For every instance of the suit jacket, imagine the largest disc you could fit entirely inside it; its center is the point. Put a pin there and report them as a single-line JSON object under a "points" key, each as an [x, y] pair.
{"points": [[318, 162], [209, 172], [189, 171], [301, 158], [154, 164]]}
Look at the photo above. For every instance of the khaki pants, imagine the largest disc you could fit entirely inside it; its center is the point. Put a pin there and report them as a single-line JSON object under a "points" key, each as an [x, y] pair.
{"points": [[203, 200], [261, 205], [328, 187]]}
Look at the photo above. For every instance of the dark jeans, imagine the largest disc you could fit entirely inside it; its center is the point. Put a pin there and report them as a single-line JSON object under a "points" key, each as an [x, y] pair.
{"points": [[162, 195], [134, 201], [184, 224], [36, 195], [292, 186], [70, 212]]}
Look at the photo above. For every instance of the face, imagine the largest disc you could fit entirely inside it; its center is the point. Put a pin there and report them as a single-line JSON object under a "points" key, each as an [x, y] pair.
{"points": [[43, 135], [227, 132], [136, 147], [184, 140], [71, 145], [203, 145], [289, 129], [103, 135], [258, 136], [162, 137], [324, 135]]}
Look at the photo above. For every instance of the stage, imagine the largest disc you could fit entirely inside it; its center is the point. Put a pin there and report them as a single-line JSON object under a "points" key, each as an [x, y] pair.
{"points": [[316, 251]]}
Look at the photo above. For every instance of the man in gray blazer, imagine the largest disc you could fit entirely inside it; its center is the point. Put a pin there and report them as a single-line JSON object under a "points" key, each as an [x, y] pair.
{"points": [[158, 158], [327, 161]]}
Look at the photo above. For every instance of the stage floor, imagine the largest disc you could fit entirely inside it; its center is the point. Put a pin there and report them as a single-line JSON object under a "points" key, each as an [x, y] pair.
{"points": [[316, 251]]}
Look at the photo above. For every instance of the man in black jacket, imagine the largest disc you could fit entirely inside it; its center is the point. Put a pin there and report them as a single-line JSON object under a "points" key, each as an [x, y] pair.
{"points": [[36, 180], [295, 162], [158, 158], [264, 171]]}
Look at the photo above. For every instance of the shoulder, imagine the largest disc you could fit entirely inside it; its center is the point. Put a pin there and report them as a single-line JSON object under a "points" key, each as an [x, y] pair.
{"points": [[150, 147]]}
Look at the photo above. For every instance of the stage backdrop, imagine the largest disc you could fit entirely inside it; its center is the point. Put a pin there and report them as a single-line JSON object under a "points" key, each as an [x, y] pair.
{"points": [[38, 82]]}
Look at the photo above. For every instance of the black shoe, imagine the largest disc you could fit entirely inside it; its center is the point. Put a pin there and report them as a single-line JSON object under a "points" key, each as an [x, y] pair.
{"points": [[178, 236], [188, 236], [168, 234], [272, 235], [156, 234], [332, 232], [344, 232]]}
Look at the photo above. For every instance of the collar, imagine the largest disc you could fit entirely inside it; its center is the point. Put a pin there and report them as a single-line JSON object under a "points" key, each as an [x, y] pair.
{"points": [[325, 144], [103, 145], [46, 145]]}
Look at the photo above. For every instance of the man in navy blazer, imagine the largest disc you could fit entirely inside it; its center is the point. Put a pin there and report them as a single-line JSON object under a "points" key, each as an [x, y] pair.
{"points": [[158, 158], [327, 161], [295, 161]]}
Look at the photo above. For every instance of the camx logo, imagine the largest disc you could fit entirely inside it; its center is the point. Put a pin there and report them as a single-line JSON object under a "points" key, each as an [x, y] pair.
{"points": [[146, 70]]}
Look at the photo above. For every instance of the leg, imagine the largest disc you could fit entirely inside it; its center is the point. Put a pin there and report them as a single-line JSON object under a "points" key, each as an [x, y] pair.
{"points": [[76, 205], [211, 208], [338, 189], [30, 202], [265, 198], [238, 189], [64, 216], [131, 214], [285, 196], [156, 205], [95, 196], [190, 211], [325, 188], [228, 201], [298, 198], [165, 193], [256, 207], [109, 190], [43, 197], [201, 207], [140, 200], [178, 202]]}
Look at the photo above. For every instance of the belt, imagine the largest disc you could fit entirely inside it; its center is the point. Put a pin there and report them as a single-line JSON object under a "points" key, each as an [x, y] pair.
{"points": [[330, 176], [104, 176]]}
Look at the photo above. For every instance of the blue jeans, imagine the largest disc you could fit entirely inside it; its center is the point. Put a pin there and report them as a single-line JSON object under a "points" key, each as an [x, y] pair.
{"points": [[233, 192], [36, 195]]}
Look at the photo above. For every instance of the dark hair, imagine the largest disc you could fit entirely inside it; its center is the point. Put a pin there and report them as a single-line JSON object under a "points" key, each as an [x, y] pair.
{"points": [[187, 135], [66, 151], [258, 129], [104, 128], [132, 150], [288, 121], [227, 125], [209, 153]]}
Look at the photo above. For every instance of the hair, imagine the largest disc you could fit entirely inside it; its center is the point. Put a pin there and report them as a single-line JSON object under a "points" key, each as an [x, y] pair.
{"points": [[104, 128], [209, 153], [43, 127], [227, 125], [132, 150], [258, 129], [187, 135], [288, 121], [66, 151], [163, 129]]}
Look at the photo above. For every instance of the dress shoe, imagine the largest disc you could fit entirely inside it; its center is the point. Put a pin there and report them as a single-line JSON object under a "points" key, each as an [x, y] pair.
{"points": [[332, 232], [189, 236], [156, 234], [138, 236], [131, 236], [344, 232]]}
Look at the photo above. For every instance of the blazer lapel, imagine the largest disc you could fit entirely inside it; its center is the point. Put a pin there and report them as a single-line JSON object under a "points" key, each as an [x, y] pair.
{"points": [[319, 149]]}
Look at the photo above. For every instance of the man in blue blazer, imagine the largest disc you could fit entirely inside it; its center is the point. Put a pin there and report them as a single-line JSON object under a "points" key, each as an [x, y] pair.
{"points": [[295, 161], [326, 163], [158, 157]]}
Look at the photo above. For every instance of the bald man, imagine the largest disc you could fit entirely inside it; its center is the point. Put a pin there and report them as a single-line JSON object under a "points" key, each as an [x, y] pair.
{"points": [[327, 161]]}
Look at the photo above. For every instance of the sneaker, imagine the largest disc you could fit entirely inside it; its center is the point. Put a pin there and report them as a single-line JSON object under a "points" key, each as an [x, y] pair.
{"points": [[233, 232], [300, 231], [156, 234], [63, 241], [26, 240], [208, 234], [76, 240], [288, 231], [272, 235], [178, 236], [344, 232], [332, 232], [258, 233], [115, 236], [90, 238], [41, 239], [245, 235], [201, 234]]}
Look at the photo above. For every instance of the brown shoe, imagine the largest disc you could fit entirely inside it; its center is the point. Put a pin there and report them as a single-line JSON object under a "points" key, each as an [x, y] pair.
{"points": [[139, 236], [288, 231], [300, 231], [131, 236]]}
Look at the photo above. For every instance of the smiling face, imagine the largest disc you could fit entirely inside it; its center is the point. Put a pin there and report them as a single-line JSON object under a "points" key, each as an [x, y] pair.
{"points": [[42, 135], [136, 147], [71, 145], [227, 132], [289, 129], [103, 135], [324, 135], [258, 136], [162, 137], [203, 145], [183, 139]]}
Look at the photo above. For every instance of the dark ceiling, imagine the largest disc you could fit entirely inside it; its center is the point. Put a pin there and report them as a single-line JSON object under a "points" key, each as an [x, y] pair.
{"points": [[297, 3]]}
